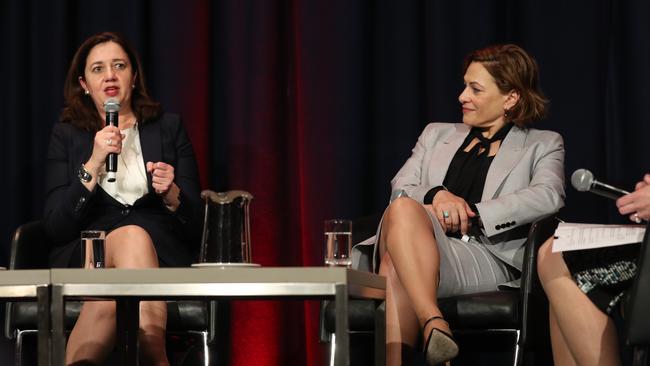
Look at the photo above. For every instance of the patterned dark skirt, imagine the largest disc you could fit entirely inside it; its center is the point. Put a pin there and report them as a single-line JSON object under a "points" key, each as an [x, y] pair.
{"points": [[604, 274]]}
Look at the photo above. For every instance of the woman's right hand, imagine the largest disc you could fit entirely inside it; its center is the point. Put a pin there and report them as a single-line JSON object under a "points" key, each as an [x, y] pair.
{"points": [[107, 140], [643, 183], [457, 209]]}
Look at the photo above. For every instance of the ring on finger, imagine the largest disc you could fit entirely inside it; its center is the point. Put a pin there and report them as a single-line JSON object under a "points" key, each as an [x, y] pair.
{"points": [[636, 218], [109, 142], [445, 214]]}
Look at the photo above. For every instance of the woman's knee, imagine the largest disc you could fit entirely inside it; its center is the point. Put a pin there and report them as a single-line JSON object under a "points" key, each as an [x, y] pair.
{"points": [[402, 212], [401, 206], [131, 247], [548, 263]]}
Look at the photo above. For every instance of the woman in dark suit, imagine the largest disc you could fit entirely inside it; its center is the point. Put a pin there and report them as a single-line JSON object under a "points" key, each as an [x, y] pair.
{"points": [[585, 289], [431, 241], [149, 212]]}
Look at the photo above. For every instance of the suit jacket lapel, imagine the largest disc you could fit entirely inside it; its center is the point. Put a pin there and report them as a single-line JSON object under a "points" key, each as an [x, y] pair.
{"points": [[505, 160], [443, 155], [150, 144]]}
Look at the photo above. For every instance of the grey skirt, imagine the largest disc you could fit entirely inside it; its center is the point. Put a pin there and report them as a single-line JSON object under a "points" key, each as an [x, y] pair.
{"points": [[466, 267]]}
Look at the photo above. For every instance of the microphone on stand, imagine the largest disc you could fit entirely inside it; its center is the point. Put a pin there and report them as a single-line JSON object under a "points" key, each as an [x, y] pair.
{"points": [[583, 180], [111, 107]]}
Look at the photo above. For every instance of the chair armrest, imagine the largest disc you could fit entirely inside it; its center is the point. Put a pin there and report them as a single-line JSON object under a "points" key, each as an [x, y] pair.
{"points": [[637, 322], [539, 232], [29, 247], [29, 250], [534, 302]]}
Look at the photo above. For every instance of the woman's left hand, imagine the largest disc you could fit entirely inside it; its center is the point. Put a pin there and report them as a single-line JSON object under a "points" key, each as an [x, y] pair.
{"points": [[162, 176], [637, 203], [452, 212]]}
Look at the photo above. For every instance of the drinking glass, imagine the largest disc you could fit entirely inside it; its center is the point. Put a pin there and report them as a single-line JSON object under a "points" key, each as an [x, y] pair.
{"points": [[93, 249], [338, 242]]}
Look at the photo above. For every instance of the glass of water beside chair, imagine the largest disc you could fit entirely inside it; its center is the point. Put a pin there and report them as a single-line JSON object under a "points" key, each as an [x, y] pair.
{"points": [[338, 242]]}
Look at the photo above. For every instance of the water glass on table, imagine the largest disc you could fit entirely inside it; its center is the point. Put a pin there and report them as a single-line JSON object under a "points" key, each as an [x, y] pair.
{"points": [[338, 242], [93, 249]]}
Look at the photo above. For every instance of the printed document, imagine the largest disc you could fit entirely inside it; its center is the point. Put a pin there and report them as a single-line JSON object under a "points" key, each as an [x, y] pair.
{"points": [[570, 236]]}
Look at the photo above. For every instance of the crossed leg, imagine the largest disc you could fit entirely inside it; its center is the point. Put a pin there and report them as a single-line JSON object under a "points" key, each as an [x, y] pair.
{"points": [[93, 336], [410, 262], [581, 334]]}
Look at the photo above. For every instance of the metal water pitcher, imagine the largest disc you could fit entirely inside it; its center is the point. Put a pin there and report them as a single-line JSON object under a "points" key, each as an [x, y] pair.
{"points": [[226, 234]]}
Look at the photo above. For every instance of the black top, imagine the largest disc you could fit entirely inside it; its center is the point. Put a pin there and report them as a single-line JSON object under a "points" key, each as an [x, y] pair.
{"points": [[467, 171]]}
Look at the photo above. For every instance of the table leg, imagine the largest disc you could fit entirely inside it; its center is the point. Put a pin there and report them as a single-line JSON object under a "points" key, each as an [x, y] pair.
{"points": [[342, 356], [57, 316], [43, 313], [128, 324], [380, 333]]}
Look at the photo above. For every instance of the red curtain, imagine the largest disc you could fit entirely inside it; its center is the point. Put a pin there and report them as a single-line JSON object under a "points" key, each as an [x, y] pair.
{"points": [[272, 150]]}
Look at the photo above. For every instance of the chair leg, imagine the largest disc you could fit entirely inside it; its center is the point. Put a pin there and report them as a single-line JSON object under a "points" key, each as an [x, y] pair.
{"points": [[640, 356], [519, 354], [332, 349], [19, 349], [206, 349], [190, 347], [20, 345]]}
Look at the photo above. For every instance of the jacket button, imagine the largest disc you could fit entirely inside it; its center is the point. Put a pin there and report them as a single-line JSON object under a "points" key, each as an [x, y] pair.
{"points": [[80, 204], [514, 223], [507, 224], [125, 212], [498, 227]]}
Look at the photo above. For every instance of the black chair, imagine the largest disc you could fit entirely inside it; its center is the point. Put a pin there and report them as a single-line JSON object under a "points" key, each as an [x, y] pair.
{"points": [[637, 305], [190, 324], [521, 313]]}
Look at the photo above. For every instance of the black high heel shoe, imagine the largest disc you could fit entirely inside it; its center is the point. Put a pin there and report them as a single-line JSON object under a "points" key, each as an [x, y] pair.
{"points": [[440, 346]]}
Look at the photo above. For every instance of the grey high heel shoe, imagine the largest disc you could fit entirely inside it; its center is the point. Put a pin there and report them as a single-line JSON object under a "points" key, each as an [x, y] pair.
{"points": [[440, 346]]}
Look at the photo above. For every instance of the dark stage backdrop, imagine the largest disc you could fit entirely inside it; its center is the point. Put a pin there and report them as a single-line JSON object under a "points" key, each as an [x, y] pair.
{"points": [[312, 106]]}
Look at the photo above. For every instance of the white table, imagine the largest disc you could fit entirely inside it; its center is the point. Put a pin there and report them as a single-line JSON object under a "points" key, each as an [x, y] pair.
{"points": [[28, 285], [128, 286]]}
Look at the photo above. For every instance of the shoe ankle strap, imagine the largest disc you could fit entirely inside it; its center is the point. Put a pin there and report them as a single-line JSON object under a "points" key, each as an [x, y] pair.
{"points": [[432, 319]]}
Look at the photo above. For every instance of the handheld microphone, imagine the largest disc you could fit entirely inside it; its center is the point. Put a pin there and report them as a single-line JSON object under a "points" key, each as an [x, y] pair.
{"points": [[584, 181], [111, 107]]}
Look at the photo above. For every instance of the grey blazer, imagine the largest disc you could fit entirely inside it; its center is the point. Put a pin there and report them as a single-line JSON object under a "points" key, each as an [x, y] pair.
{"points": [[525, 182]]}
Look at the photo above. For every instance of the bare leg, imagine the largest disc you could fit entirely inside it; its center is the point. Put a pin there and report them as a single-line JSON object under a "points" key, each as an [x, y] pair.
{"points": [[402, 326], [411, 262], [93, 336], [153, 314], [586, 332], [561, 353]]}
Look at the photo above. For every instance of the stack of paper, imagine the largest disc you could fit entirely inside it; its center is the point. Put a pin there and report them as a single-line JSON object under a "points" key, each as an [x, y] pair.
{"points": [[587, 236]]}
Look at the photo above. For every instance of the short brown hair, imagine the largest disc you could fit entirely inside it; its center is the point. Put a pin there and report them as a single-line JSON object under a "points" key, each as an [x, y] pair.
{"points": [[80, 110], [513, 69]]}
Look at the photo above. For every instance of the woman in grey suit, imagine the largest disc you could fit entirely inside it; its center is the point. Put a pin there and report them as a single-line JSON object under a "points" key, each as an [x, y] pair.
{"points": [[462, 203], [149, 211]]}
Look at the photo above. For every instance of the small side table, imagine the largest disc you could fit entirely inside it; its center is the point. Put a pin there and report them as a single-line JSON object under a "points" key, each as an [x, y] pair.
{"points": [[128, 286], [27, 285]]}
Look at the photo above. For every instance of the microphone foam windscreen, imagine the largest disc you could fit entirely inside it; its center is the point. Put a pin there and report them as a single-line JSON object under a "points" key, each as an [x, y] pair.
{"points": [[582, 179], [111, 105]]}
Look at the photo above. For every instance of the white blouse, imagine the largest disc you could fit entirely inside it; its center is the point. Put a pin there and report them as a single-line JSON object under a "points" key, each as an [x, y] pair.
{"points": [[131, 177]]}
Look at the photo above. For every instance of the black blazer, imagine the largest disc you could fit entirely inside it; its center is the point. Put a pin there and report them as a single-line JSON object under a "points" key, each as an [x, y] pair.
{"points": [[71, 208]]}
